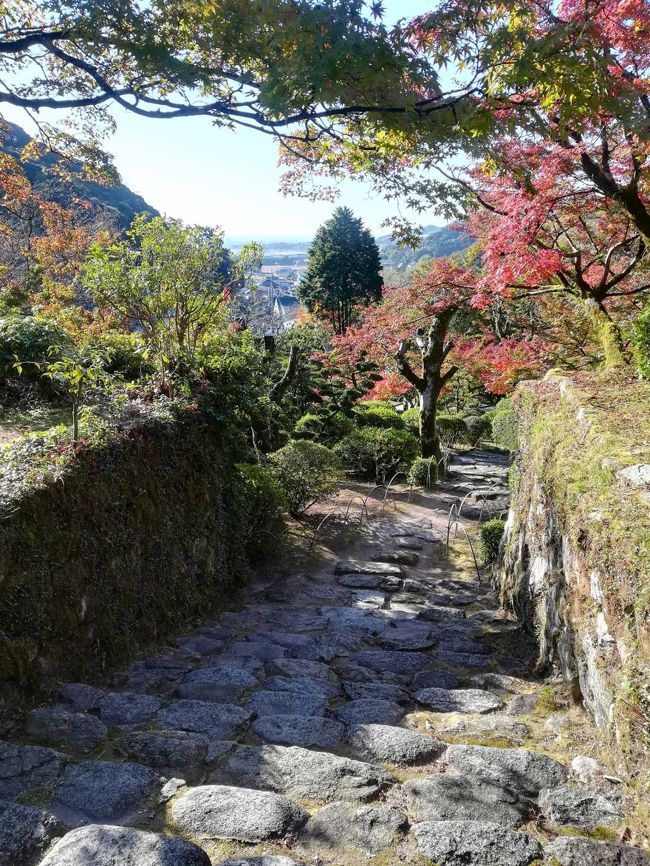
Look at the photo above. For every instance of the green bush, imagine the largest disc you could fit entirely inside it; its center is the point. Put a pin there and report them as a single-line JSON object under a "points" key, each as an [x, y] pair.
{"points": [[505, 425], [424, 471], [307, 473], [323, 427], [377, 413], [128, 357], [641, 340], [266, 502], [490, 538], [411, 419], [452, 430], [27, 340], [479, 428], [377, 452]]}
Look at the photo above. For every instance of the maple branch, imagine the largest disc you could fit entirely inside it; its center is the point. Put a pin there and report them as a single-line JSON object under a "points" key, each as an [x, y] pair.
{"points": [[405, 368]]}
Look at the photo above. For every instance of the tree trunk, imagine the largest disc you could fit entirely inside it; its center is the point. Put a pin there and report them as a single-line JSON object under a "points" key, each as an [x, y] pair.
{"points": [[280, 387], [616, 352], [429, 440]]}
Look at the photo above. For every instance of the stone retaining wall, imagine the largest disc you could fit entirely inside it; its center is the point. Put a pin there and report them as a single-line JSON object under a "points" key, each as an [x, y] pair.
{"points": [[575, 563], [138, 539]]}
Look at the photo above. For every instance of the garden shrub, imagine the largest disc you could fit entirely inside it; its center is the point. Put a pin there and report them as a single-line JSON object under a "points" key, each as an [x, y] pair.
{"points": [[377, 413], [28, 340], [128, 357], [307, 473], [376, 452], [266, 502], [505, 425], [452, 430], [411, 419], [424, 472], [490, 538], [641, 341], [325, 428], [479, 428]]}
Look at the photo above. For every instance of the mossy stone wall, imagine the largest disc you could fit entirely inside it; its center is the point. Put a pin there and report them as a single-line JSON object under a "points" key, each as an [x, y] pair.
{"points": [[139, 539], [575, 562]]}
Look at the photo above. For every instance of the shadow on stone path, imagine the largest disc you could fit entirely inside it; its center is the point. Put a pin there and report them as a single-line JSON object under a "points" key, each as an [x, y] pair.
{"points": [[371, 712]]}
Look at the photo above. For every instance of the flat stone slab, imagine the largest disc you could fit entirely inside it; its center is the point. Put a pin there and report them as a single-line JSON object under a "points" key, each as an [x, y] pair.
{"points": [[99, 845], [435, 680], [521, 770], [388, 583], [304, 774], [458, 700], [174, 752], [493, 727], [25, 767], [388, 744], [59, 726], [450, 798], [372, 711], [224, 812], [353, 673], [264, 860], [25, 833], [466, 661], [284, 703], [407, 637], [80, 696], [200, 644], [127, 708], [300, 668], [220, 721], [479, 843], [584, 807], [303, 686], [218, 685], [353, 619], [440, 612], [262, 650], [156, 675], [374, 691], [341, 825], [368, 598], [392, 661], [397, 557], [573, 851], [353, 566], [252, 665], [503, 683], [406, 543], [299, 730], [103, 791]]}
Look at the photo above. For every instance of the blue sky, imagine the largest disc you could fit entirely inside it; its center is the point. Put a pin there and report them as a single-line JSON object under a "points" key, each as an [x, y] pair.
{"points": [[190, 170]]}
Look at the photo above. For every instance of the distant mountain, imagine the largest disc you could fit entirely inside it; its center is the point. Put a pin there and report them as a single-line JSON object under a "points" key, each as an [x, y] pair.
{"points": [[117, 203], [438, 242]]}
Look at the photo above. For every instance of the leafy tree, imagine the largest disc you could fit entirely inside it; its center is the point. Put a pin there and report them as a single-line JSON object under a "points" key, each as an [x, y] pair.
{"points": [[282, 66], [418, 330], [343, 270], [168, 282], [307, 473]]}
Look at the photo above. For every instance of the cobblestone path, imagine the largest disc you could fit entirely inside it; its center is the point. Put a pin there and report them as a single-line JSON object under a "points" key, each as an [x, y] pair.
{"points": [[377, 712]]}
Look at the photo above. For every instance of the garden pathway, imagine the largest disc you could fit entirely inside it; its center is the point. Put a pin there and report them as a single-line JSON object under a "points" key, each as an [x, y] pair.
{"points": [[377, 711]]}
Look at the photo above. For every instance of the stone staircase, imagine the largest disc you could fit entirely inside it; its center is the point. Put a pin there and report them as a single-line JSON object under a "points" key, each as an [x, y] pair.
{"points": [[374, 712]]}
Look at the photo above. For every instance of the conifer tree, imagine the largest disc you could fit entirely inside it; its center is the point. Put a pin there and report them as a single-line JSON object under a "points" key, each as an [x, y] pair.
{"points": [[343, 270]]}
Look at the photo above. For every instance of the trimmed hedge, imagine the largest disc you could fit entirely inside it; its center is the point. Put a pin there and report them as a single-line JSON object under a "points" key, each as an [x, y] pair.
{"points": [[505, 425], [491, 533], [424, 472], [135, 541], [376, 413], [377, 453]]}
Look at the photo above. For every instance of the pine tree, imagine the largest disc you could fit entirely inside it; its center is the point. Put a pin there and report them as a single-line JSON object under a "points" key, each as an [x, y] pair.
{"points": [[343, 270]]}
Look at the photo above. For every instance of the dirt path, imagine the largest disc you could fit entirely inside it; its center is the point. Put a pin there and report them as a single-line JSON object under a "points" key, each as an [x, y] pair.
{"points": [[379, 710]]}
